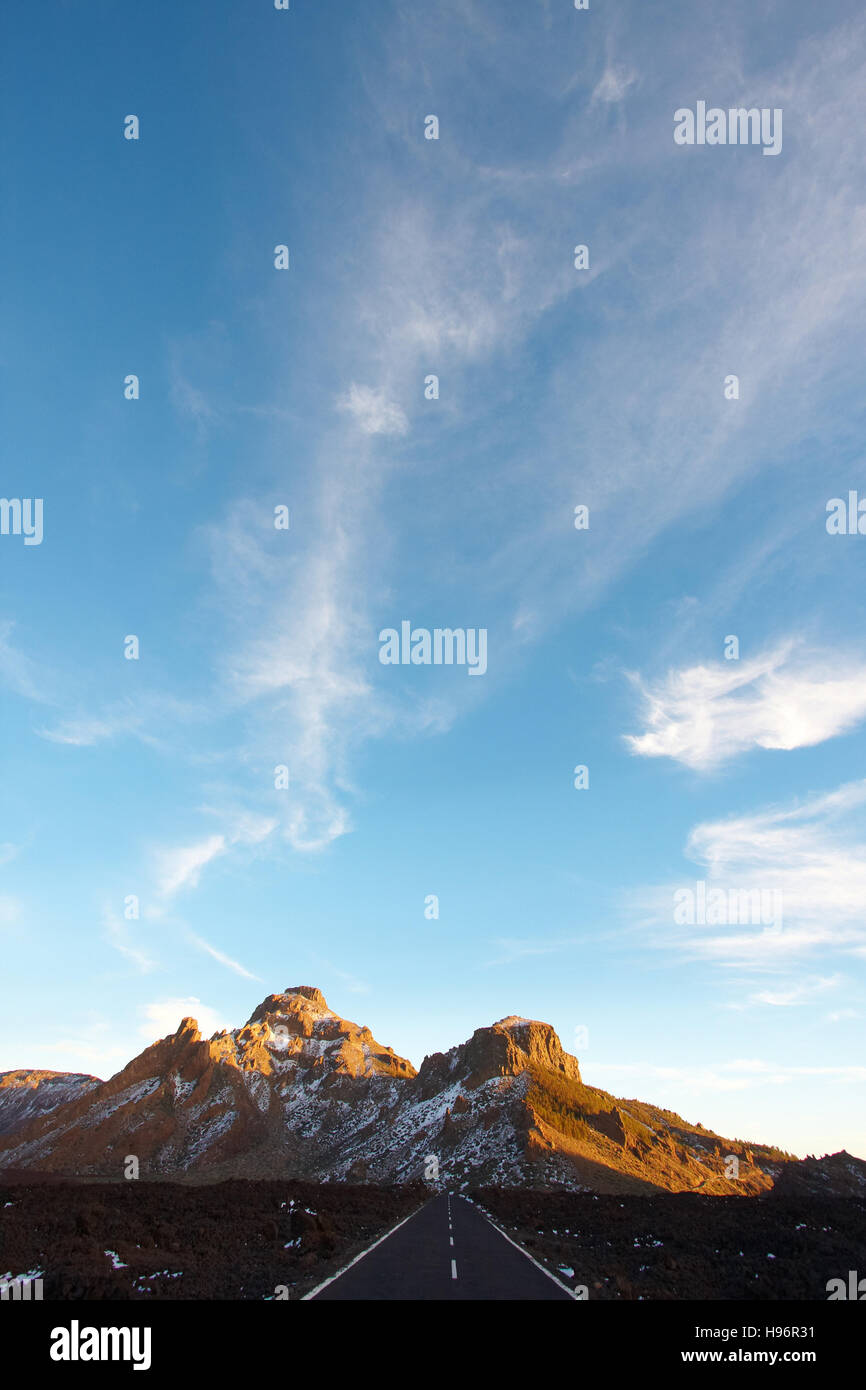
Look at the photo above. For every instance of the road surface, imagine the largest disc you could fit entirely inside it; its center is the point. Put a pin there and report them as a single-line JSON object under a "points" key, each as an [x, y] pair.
{"points": [[447, 1250]]}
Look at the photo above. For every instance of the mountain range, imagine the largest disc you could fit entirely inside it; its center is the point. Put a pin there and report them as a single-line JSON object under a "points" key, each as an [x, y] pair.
{"points": [[300, 1092]]}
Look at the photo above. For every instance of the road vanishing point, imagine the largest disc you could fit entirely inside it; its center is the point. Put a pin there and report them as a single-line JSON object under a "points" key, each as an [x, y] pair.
{"points": [[447, 1250]]}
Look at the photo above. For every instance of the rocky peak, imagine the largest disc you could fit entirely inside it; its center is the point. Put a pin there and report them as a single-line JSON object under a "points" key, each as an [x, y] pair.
{"points": [[296, 1029], [506, 1048], [300, 1000], [540, 1043], [310, 992]]}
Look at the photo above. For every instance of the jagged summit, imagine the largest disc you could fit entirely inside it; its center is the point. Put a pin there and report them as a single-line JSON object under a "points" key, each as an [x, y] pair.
{"points": [[297, 999], [310, 992]]}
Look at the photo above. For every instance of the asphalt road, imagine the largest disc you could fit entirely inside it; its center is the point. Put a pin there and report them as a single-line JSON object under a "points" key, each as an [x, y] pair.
{"points": [[447, 1250]]}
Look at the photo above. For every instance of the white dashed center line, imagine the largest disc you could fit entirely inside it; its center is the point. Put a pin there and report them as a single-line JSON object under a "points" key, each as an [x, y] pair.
{"points": [[453, 1269]]}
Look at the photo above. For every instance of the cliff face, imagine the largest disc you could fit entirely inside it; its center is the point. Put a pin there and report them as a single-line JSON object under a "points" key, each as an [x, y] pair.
{"points": [[298, 1091], [505, 1049]]}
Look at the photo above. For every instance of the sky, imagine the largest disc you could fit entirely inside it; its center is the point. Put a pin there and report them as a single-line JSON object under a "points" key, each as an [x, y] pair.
{"points": [[147, 782]]}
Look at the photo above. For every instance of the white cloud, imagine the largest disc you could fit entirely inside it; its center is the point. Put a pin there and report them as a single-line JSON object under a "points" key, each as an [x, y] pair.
{"points": [[792, 995], [305, 662], [704, 715], [613, 84], [812, 855], [181, 867], [372, 412], [304, 669]]}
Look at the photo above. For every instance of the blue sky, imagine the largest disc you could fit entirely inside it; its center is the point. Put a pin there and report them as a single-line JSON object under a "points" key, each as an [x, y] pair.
{"points": [[557, 387]]}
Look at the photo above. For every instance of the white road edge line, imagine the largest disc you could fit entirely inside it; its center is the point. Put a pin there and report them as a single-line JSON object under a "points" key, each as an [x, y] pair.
{"points": [[564, 1287], [340, 1272]]}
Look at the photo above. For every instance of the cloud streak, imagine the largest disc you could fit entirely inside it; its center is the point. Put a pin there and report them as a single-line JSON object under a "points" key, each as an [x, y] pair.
{"points": [[706, 715], [812, 854]]}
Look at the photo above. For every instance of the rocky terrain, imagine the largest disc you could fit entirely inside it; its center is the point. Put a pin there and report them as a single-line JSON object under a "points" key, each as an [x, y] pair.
{"points": [[300, 1093], [686, 1246], [26, 1094], [270, 1240], [156, 1241]]}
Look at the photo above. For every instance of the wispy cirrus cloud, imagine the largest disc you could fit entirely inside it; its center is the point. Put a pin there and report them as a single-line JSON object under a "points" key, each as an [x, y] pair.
{"points": [[303, 670], [372, 412], [707, 714], [125, 938], [464, 259], [181, 866], [226, 960], [145, 717], [793, 995], [812, 855], [22, 673], [613, 84], [461, 284]]}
